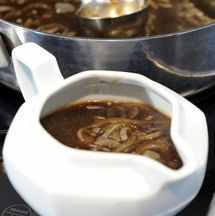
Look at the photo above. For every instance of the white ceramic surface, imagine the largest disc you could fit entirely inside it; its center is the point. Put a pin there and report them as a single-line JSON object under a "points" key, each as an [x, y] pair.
{"points": [[57, 180]]}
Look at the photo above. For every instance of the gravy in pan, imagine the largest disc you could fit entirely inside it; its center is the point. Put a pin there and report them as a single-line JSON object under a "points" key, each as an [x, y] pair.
{"points": [[51, 16], [58, 16], [114, 126]]}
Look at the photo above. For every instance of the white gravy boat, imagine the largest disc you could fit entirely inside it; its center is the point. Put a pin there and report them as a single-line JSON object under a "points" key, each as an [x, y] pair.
{"points": [[58, 180]]}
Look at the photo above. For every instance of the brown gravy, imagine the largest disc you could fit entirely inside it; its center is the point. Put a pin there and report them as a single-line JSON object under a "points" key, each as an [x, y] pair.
{"points": [[51, 16], [114, 126]]}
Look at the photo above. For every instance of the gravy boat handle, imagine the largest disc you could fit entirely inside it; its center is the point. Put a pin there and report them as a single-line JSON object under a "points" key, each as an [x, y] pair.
{"points": [[36, 69]]}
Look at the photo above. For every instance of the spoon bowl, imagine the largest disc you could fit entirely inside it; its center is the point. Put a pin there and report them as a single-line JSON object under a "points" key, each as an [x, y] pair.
{"points": [[112, 18]]}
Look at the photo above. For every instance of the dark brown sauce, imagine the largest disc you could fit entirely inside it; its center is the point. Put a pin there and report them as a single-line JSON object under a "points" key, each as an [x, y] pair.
{"points": [[58, 16], [52, 16], [113, 126]]}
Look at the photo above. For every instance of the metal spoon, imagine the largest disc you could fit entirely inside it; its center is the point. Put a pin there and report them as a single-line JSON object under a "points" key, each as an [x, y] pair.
{"points": [[112, 18]]}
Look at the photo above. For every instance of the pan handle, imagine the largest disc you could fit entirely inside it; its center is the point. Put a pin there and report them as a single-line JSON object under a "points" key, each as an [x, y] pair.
{"points": [[4, 55]]}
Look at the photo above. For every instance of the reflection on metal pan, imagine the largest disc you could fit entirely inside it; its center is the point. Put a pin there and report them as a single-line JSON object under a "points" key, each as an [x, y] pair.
{"points": [[186, 52]]}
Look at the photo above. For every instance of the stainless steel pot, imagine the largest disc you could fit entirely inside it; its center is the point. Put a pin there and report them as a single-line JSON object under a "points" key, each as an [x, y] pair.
{"points": [[184, 61]]}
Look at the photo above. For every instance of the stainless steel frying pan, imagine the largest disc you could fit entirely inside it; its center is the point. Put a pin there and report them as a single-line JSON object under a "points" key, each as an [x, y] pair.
{"points": [[184, 61]]}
